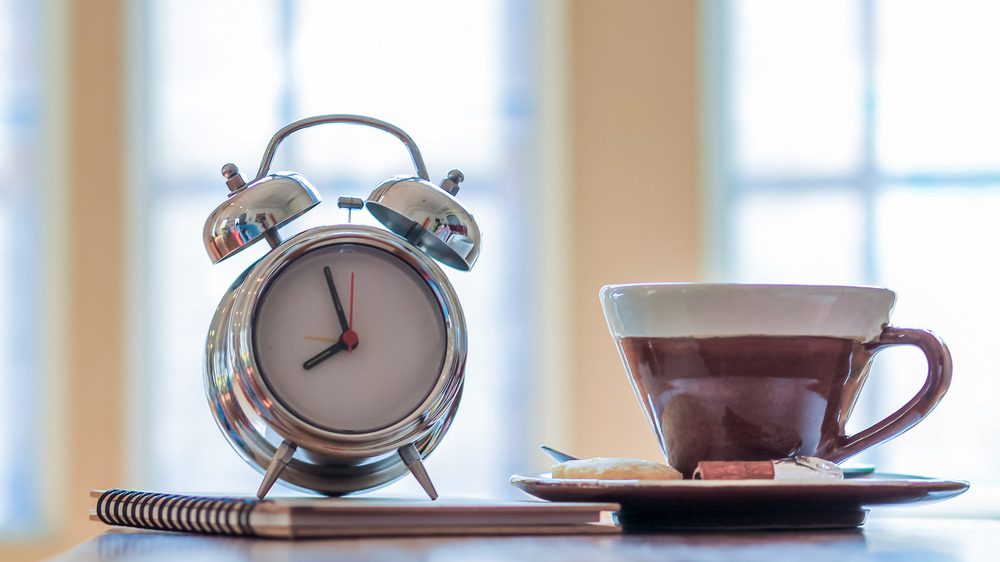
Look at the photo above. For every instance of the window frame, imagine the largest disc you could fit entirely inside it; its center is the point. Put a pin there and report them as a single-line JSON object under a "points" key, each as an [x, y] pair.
{"points": [[725, 186]]}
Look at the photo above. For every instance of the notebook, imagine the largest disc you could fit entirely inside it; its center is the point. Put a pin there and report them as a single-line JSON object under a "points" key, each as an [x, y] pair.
{"points": [[346, 517]]}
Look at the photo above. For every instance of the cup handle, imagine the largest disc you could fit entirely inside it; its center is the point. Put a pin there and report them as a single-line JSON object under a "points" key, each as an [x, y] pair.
{"points": [[938, 379]]}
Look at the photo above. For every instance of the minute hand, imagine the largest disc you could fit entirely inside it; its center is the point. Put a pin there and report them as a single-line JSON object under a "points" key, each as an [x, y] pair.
{"points": [[344, 326]]}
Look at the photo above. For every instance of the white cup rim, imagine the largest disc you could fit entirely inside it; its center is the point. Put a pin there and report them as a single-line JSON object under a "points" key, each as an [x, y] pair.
{"points": [[731, 309]]}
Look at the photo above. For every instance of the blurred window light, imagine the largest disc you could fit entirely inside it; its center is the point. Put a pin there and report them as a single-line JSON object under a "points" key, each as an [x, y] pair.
{"points": [[799, 110], [937, 94], [863, 147], [20, 197]]}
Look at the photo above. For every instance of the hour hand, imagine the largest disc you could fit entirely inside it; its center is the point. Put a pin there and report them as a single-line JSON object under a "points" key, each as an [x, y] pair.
{"points": [[347, 341], [325, 354]]}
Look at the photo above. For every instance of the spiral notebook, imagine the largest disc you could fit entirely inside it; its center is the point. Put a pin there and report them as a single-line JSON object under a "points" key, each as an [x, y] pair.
{"points": [[345, 517]]}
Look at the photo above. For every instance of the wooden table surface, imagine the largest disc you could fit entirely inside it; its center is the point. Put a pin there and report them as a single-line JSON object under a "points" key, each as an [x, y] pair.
{"points": [[897, 539]]}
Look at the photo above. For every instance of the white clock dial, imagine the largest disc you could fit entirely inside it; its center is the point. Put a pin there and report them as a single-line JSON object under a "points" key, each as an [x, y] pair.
{"points": [[362, 369]]}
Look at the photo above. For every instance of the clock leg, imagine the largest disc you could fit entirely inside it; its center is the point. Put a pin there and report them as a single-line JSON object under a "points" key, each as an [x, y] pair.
{"points": [[412, 460], [282, 457]]}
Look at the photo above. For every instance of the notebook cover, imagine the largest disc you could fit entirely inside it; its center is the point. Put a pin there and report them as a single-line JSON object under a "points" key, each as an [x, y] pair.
{"points": [[341, 517]]}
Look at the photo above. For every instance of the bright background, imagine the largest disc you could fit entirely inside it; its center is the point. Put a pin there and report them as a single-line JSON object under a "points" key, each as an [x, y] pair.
{"points": [[767, 141]]}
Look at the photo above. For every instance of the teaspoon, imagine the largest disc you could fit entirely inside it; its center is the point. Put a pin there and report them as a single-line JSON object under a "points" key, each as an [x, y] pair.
{"points": [[558, 455]]}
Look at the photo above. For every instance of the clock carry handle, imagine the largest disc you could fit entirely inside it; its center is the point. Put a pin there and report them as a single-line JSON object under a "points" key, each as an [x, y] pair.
{"points": [[426, 215], [272, 146]]}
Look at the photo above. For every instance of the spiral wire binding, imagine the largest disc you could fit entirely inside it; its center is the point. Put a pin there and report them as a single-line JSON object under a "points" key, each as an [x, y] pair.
{"points": [[174, 512]]}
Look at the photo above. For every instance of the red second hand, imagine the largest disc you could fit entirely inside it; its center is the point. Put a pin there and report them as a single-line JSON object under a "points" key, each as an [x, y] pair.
{"points": [[350, 319]]}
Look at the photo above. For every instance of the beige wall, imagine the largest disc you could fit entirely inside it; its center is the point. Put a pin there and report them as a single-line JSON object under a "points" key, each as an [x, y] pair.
{"points": [[96, 382], [635, 175]]}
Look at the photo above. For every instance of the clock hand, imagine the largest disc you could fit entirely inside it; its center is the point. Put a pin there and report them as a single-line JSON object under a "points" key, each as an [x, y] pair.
{"points": [[350, 322], [348, 340], [318, 338], [324, 355], [344, 326]]}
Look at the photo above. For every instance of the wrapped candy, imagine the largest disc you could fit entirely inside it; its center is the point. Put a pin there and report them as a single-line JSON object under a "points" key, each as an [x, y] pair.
{"points": [[795, 468]]}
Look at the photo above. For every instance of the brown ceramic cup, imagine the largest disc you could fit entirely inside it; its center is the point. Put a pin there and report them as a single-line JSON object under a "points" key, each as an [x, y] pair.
{"points": [[761, 372]]}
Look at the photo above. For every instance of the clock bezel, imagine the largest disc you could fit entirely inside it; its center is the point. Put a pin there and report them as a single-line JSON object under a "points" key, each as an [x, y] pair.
{"points": [[301, 431], [275, 381]]}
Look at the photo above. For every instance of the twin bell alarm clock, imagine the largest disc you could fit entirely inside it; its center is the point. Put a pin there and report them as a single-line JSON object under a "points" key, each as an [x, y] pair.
{"points": [[335, 363]]}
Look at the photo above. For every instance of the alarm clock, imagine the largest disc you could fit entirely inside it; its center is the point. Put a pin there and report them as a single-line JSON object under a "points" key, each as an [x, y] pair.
{"points": [[335, 363]]}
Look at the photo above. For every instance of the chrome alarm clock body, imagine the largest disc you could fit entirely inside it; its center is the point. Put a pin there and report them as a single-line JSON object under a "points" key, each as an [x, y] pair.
{"points": [[256, 420], [336, 362]]}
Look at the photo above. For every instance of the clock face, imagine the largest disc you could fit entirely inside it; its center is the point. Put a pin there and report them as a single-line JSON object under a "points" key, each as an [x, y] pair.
{"points": [[349, 338]]}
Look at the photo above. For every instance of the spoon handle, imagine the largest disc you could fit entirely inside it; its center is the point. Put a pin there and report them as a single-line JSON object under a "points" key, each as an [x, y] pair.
{"points": [[558, 455]]}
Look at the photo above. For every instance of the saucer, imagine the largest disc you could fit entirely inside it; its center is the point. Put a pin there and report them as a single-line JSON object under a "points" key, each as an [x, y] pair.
{"points": [[663, 505]]}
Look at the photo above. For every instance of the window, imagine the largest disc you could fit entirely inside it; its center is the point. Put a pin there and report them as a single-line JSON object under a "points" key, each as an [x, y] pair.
{"points": [[221, 78], [859, 143], [21, 194]]}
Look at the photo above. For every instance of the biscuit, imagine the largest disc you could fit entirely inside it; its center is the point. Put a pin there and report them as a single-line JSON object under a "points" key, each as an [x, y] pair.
{"points": [[615, 469]]}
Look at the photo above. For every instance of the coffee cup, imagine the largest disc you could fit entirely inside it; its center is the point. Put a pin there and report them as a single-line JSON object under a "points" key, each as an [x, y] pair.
{"points": [[735, 372]]}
